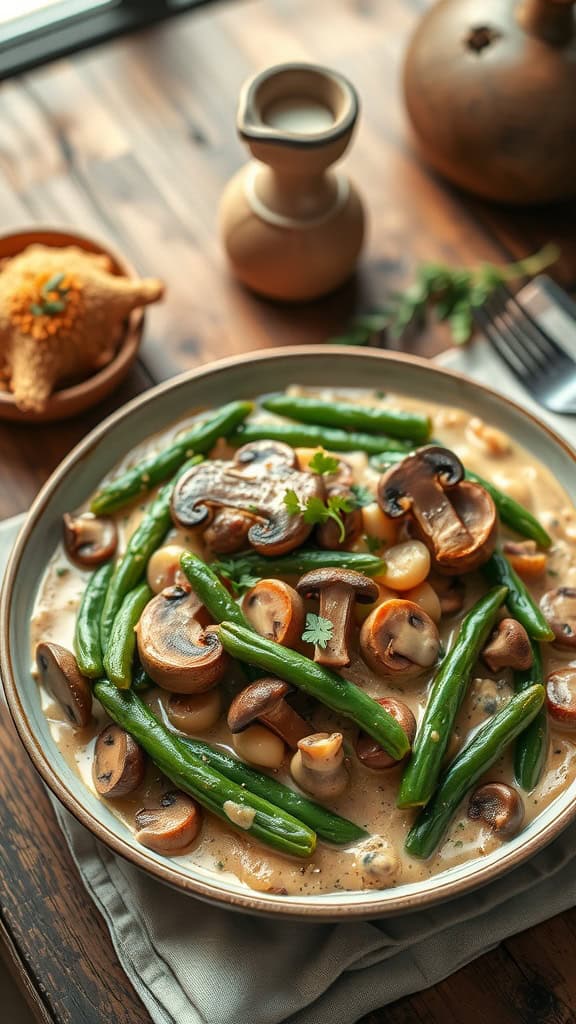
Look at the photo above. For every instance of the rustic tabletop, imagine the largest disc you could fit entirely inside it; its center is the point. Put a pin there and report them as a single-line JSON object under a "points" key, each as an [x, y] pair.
{"points": [[133, 142]]}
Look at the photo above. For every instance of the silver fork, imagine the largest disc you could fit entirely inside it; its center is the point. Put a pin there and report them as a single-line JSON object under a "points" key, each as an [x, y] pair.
{"points": [[541, 365]]}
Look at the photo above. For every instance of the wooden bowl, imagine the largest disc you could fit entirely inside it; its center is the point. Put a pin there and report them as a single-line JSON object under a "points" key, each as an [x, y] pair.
{"points": [[244, 377], [70, 401]]}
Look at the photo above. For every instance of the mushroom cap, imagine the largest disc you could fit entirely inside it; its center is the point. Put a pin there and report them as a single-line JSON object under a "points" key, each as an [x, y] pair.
{"points": [[561, 696], [508, 647], [89, 540], [228, 531], [174, 648], [172, 825], [399, 485], [477, 510], [399, 637], [254, 701], [314, 582], [499, 806], [59, 673], [369, 752], [266, 455], [559, 609], [275, 610], [119, 763]]}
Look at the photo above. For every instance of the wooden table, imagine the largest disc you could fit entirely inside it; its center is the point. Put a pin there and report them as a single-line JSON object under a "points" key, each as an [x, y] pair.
{"points": [[133, 142]]}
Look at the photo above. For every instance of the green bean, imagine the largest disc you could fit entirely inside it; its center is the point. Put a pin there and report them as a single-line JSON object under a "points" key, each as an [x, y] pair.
{"points": [[87, 646], [351, 416], [446, 694], [301, 561], [297, 434], [531, 746], [120, 651], [200, 438], [511, 512], [146, 538], [519, 602], [211, 591], [476, 758], [328, 825], [174, 757], [332, 690]]}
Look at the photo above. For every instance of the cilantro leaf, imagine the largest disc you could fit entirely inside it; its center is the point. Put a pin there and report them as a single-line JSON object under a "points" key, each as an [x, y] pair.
{"points": [[317, 630], [321, 463], [238, 574], [362, 496], [292, 502], [316, 511]]}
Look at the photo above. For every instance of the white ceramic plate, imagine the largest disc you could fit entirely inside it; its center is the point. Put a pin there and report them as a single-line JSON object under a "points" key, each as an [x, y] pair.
{"points": [[91, 460]]}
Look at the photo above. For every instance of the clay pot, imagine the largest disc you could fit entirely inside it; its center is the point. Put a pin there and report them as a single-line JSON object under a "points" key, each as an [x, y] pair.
{"points": [[293, 229], [490, 88]]}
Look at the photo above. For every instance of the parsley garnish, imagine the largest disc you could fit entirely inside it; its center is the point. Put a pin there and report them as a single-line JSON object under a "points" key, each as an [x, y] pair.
{"points": [[317, 511], [374, 544], [362, 496], [321, 463], [452, 292], [237, 572], [318, 630]]}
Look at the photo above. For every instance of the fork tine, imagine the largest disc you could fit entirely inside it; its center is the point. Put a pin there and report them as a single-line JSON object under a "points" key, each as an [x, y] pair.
{"points": [[527, 350], [508, 354], [536, 330], [513, 342]]}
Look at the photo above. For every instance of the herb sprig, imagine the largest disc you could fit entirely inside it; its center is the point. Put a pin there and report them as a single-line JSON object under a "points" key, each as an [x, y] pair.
{"points": [[453, 293], [317, 630], [317, 511], [323, 464], [238, 574]]}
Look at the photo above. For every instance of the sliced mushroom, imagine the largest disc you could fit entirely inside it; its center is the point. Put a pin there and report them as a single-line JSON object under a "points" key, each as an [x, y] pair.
{"points": [[561, 696], [318, 765], [508, 647], [525, 558], [194, 712], [174, 648], [559, 609], [370, 753], [276, 611], [228, 531], [171, 826], [399, 637], [256, 481], [328, 533], [89, 540], [60, 675], [337, 590], [499, 806], [119, 763], [456, 519], [264, 701]]}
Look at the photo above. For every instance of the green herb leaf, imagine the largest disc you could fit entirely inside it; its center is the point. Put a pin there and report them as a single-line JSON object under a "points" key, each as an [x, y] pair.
{"points": [[318, 630], [316, 511], [374, 544], [292, 502], [53, 284], [237, 572], [321, 463], [362, 496]]}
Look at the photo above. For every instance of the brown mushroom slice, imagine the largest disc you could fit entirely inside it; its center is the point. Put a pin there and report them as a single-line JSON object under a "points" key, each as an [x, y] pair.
{"points": [[337, 590], [508, 647], [499, 806], [525, 558], [89, 540], [174, 648], [399, 638], [276, 611], [119, 763], [561, 696], [318, 766], [264, 701], [257, 486], [271, 456], [559, 610], [328, 534], [171, 826], [228, 531], [369, 752], [451, 592], [60, 675], [456, 520]]}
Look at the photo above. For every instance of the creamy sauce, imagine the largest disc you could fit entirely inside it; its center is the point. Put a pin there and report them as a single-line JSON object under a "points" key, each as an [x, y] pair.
{"points": [[370, 799]]}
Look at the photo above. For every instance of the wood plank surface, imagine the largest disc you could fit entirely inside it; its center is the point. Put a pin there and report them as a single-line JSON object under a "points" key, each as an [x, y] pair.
{"points": [[133, 142]]}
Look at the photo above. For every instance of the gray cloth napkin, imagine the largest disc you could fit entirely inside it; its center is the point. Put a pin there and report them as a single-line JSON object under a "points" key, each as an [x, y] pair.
{"points": [[195, 964]]}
